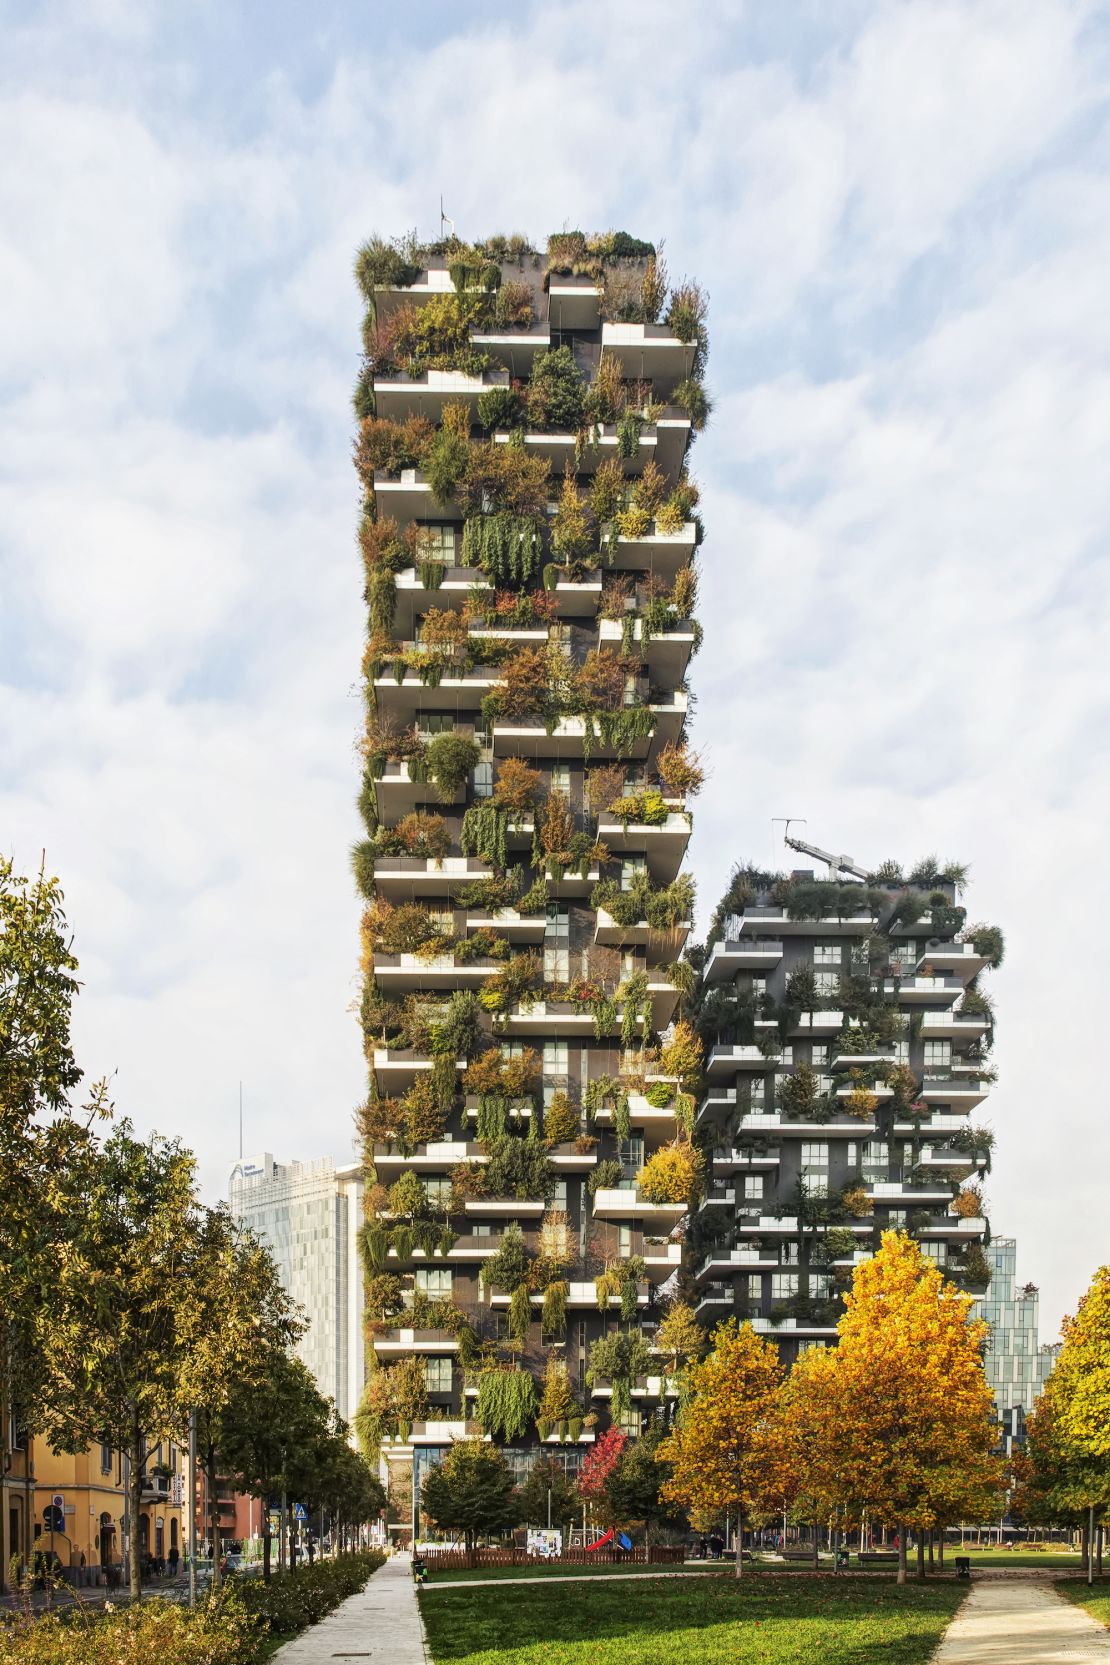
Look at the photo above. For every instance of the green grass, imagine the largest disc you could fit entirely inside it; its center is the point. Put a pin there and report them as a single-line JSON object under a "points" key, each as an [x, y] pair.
{"points": [[760, 1620], [1010, 1557], [1094, 1597]]}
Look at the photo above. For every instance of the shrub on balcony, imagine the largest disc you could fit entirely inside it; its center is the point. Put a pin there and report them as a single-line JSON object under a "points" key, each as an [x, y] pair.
{"points": [[516, 984], [506, 1401], [499, 408], [556, 393], [419, 833], [572, 533], [445, 463], [560, 1120], [554, 1324], [513, 307], [855, 1201], [508, 1267], [687, 310], [646, 808], [484, 827], [517, 788], [450, 758], [683, 1054], [690, 396], [458, 1033], [861, 1103], [619, 1359], [967, 1204], [987, 941], [380, 264], [605, 1177], [383, 1296], [423, 1115], [607, 491], [506, 478], [408, 1197], [672, 1174], [517, 1168]]}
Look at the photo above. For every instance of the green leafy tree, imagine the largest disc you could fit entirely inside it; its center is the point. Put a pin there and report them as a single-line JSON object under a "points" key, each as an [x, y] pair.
{"points": [[547, 1476], [470, 1492], [632, 1493]]}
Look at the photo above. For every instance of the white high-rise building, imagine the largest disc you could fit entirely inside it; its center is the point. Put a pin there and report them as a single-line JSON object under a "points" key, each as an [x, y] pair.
{"points": [[308, 1214]]}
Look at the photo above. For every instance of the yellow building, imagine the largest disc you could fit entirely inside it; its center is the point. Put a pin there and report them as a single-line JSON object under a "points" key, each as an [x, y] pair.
{"points": [[17, 1494], [88, 1528]]}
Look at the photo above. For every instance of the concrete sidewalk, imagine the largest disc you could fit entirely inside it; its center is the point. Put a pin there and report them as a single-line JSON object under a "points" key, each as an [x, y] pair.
{"points": [[1022, 1622], [380, 1625]]}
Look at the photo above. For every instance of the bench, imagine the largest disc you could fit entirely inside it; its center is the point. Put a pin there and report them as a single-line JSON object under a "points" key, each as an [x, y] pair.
{"points": [[878, 1557], [796, 1554]]}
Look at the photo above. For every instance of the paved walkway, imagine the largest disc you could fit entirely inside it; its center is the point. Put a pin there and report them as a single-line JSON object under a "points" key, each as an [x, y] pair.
{"points": [[1021, 1622], [381, 1625]]}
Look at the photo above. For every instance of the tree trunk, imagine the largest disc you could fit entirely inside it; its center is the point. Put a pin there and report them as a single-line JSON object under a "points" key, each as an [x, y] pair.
{"points": [[134, 1505], [1091, 1544], [932, 1544], [1084, 1547], [901, 1554], [265, 1541], [740, 1540], [816, 1549], [940, 1548], [1098, 1550], [214, 1517], [920, 1555]]}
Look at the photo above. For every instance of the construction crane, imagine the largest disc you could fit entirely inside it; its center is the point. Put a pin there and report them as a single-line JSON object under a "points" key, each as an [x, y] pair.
{"points": [[836, 864]]}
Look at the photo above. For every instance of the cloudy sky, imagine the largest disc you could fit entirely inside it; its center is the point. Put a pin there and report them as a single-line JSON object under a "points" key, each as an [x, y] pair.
{"points": [[902, 215]]}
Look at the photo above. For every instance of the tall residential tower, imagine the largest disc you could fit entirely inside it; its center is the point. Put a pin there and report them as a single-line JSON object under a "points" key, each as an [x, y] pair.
{"points": [[528, 539]]}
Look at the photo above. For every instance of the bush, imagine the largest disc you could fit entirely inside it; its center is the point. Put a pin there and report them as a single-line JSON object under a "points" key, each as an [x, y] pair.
{"points": [[499, 407], [445, 463], [222, 1631], [556, 392], [450, 758], [672, 1174], [293, 1601]]}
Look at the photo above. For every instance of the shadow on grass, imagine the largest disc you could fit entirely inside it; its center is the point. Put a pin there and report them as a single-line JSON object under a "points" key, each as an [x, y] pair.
{"points": [[763, 1618]]}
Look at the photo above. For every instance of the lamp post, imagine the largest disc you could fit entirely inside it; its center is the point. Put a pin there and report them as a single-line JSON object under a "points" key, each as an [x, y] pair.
{"points": [[191, 1490]]}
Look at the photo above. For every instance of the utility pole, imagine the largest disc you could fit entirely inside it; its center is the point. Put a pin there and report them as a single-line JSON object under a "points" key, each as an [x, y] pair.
{"points": [[191, 1493]]}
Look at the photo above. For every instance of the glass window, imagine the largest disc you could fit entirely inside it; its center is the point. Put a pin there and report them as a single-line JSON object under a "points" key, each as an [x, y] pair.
{"points": [[938, 1055], [435, 722], [815, 1166], [630, 867], [440, 542], [105, 1459], [876, 1161], [826, 953], [631, 1155], [483, 780], [435, 1281], [935, 1251], [624, 1241], [560, 777], [753, 1187], [819, 1055], [556, 965], [439, 1192], [481, 1230], [901, 1052], [783, 1285], [559, 1195], [632, 1422], [437, 1375], [827, 982]]}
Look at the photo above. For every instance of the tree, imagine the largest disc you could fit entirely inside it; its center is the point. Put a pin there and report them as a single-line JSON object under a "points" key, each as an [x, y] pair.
{"points": [[717, 1454], [470, 1492], [547, 1477], [801, 1432], [263, 1427], [154, 1307], [913, 1439], [679, 1338], [1072, 1434], [634, 1488]]}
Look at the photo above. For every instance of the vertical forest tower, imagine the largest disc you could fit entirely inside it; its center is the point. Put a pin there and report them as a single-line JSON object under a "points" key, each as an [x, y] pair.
{"points": [[528, 536]]}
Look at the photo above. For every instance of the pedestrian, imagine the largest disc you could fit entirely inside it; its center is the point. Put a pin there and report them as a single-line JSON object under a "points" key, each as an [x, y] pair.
{"points": [[173, 1560]]}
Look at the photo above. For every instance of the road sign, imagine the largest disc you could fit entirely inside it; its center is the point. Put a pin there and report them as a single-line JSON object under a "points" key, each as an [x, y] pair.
{"points": [[58, 1501], [300, 1512]]}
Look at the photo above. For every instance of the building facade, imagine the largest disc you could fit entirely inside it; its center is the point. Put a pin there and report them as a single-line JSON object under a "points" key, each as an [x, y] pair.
{"points": [[1017, 1365], [308, 1214], [848, 1041], [528, 539], [17, 1493], [88, 1530]]}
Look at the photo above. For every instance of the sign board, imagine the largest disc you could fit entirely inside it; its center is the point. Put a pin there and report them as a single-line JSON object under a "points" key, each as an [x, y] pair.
{"points": [[71, 1508], [177, 1490], [58, 1501], [542, 1541], [300, 1512]]}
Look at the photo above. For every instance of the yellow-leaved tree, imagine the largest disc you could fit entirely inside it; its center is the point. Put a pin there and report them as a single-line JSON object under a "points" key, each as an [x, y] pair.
{"points": [[720, 1455], [803, 1433], [912, 1441], [1078, 1396]]}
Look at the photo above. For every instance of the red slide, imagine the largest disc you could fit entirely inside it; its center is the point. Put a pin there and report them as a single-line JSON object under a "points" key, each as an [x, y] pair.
{"points": [[607, 1539]]}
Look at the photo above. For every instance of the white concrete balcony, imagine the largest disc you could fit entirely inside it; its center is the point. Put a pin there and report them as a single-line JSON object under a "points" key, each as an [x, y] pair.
{"points": [[954, 1026], [791, 1326], [514, 349], [814, 1024], [407, 973], [399, 397], [561, 449], [399, 793], [406, 878], [507, 922], [718, 1199], [668, 940], [771, 921], [667, 655], [620, 1204], [724, 1061], [642, 1114], [649, 353], [955, 1090], [919, 991], [726, 1161], [647, 1387], [862, 1060], [397, 1069], [729, 956], [724, 1263], [946, 1160], [663, 553], [400, 1343], [573, 304], [463, 690], [662, 846], [433, 1158], [954, 959], [508, 1208], [909, 1193], [582, 1294]]}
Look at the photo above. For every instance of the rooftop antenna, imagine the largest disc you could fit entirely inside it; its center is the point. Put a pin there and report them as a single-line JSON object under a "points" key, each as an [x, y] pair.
{"points": [[444, 219], [836, 864]]}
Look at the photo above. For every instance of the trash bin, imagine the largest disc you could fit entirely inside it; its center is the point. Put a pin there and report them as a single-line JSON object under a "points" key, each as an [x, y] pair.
{"points": [[963, 1566], [842, 1557]]}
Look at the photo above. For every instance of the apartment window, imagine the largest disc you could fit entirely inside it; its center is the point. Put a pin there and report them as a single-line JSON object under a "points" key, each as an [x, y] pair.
{"points": [[819, 1056], [938, 1055], [789, 1254], [435, 722], [631, 1155], [753, 1187], [434, 1282], [757, 1094], [437, 1375], [758, 986], [827, 982], [105, 1459], [624, 1241], [904, 956], [901, 1052], [632, 1422], [826, 953], [783, 1285], [820, 1285], [560, 778], [808, 1346], [556, 946], [481, 1230], [631, 867], [483, 780], [935, 1251], [439, 543], [876, 1161], [439, 1192], [559, 1195], [896, 1218], [556, 1067], [815, 1166]]}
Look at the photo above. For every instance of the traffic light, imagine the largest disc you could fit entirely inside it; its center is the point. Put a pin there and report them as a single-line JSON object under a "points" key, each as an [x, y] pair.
{"points": [[54, 1518]]}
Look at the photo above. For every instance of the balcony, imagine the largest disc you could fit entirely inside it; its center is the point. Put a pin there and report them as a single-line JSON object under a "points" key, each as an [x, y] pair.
{"points": [[669, 939], [717, 1199], [713, 1298], [397, 1068], [662, 553], [507, 922], [792, 1326], [406, 973], [403, 396], [515, 349], [905, 1193], [408, 878], [399, 1343], [582, 1294], [726, 1060], [649, 352], [728, 957], [722, 1263], [952, 1026], [398, 793], [662, 846], [916, 991], [778, 920], [464, 690], [739, 1161], [956, 959], [573, 303], [862, 1060], [563, 450], [156, 1488], [620, 1204], [406, 497], [641, 1114], [508, 1208], [812, 1024], [954, 1090], [647, 1387], [943, 1159], [434, 1157], [667, 654]]}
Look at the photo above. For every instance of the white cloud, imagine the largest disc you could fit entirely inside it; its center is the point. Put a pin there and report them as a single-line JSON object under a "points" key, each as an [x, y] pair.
{"points": [[903, 235]]}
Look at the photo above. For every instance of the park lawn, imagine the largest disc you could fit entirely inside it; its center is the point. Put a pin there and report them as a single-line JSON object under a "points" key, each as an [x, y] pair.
{"points": [[564, 1569], [758, 1620], [1010, 1558], [1094, 1597]]}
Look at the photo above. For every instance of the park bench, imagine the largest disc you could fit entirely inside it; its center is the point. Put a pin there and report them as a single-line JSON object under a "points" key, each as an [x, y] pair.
{"points": [[796, 1554], [878, 1557]]}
